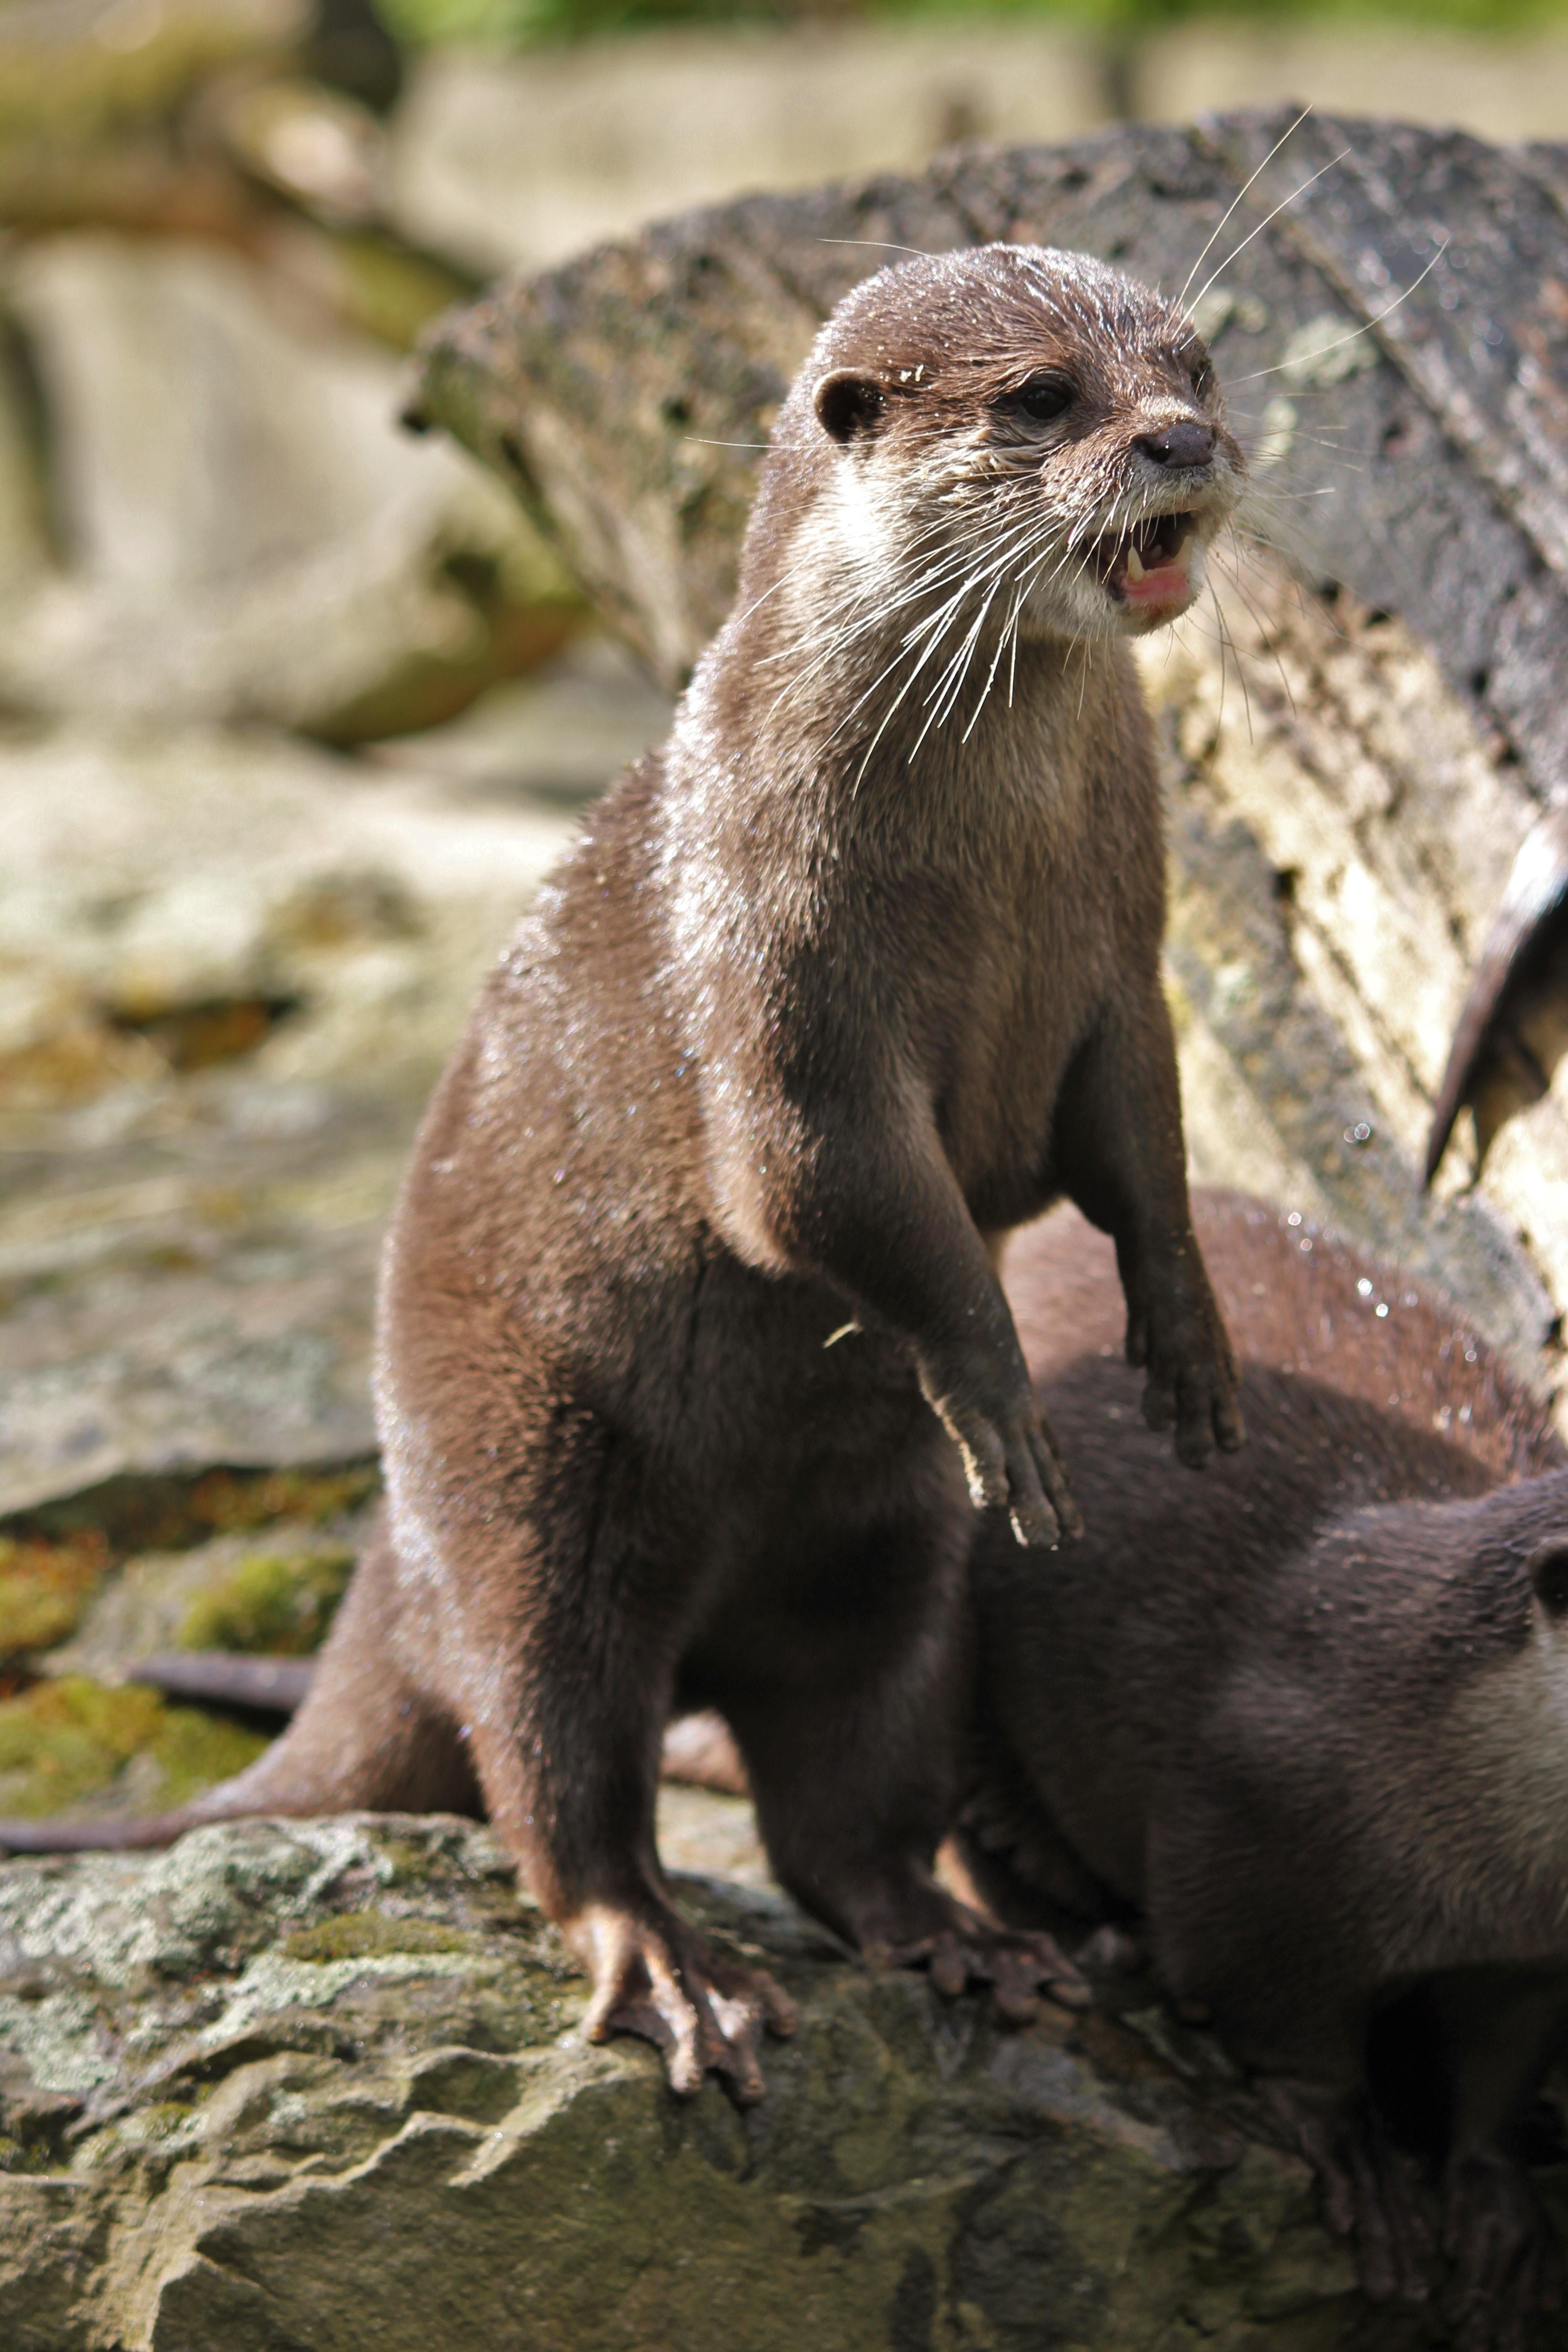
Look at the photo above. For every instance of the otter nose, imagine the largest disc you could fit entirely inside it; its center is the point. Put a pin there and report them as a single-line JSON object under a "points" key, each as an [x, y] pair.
{"points": [[1186, 444]]}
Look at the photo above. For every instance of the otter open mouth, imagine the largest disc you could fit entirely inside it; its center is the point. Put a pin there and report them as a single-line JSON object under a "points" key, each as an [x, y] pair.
{"points": [[1148, 564]]}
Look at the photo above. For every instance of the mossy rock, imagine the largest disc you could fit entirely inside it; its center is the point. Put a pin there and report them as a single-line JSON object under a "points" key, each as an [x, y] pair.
{"points": [[240, 2114], [69, 1740], [54, 1561], [277, 1603], [369, 1934]]}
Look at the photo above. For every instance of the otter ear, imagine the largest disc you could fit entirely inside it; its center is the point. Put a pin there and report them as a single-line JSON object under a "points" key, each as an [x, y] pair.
{"points": [[1549, 1575], [851, 406]]}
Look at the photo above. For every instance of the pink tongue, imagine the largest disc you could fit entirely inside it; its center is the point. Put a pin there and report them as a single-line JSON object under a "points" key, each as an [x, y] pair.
{"points": [[1157, 587]]}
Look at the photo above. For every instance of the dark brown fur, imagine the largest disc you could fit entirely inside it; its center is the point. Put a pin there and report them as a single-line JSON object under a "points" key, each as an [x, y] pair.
{"points": [[1307, 1719], [693, 1266]]}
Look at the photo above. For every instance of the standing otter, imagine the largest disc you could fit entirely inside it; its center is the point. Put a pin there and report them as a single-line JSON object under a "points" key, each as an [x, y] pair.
{"points": [[1309, 1719], [688, 1316]]}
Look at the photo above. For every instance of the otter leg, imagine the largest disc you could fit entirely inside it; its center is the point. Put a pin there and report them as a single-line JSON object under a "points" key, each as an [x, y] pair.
{"points": [[569, 1679], [1372, 2190], [849, 1719], [1120, 1154], [1498, 2034], [1238, 1922], [861, 1189]]}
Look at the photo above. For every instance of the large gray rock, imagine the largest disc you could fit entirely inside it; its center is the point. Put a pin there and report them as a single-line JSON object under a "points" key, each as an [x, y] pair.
{"points": [[314, 2087]]}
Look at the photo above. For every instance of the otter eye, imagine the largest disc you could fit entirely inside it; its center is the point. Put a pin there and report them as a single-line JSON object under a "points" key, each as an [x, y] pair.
{"points": [[1202, 377], [1549, 1575], [1040, 398]]}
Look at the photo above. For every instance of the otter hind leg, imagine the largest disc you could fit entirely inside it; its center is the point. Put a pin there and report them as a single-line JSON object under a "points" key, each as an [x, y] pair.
{"points": [[1374, 2192], [847, 1707], [568, 1717], [1239, 1924], [364, 1741]]}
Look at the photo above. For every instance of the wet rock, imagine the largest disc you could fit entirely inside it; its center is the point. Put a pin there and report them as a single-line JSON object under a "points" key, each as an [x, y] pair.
{"points": [[321, 2083]]}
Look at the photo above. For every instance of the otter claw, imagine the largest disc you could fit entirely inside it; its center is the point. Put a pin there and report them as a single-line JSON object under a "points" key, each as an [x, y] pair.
{"points": [[1019, 1965], [703, 2014]]}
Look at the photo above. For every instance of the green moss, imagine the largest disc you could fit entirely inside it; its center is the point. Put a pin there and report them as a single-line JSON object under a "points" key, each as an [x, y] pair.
{"points": [[193, 1750], [52, 1559], [223, 1500], [518, 23], [368, 1935], [64, 1741], [277, 1603]]}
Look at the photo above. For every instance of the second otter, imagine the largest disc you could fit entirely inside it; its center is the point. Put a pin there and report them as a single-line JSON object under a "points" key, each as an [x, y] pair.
{"points": [[1309, 1721], [690, 1337]]}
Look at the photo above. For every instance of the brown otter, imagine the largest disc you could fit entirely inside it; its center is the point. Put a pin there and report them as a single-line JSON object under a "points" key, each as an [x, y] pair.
{"points": [[1308, 1718], [689, 1333]]}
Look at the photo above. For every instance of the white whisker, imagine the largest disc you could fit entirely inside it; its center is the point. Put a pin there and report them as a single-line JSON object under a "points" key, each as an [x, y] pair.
{"points": [[1283, 206], [1241, 191]]}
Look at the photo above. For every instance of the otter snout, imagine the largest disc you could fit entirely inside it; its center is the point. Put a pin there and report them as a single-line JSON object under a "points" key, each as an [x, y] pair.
{"points": [[1189, 443]]}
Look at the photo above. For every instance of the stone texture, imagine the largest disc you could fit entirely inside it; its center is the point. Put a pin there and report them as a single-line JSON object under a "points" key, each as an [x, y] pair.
{"points": [[319, 2085], [1340, 836]]}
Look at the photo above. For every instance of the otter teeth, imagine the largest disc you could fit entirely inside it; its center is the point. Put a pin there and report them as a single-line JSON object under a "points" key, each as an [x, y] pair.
{"points": [[1135, 564]]}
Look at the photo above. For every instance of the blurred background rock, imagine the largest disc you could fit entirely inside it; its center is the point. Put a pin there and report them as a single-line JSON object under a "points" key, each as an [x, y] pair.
{"points": [[295, 709]]}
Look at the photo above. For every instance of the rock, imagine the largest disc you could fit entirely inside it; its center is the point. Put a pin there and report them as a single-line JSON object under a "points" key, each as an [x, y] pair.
{"points": [[320, 2084], [556, 737], [518, 161], [272, 1591], [1347, 790], [1339, 836], [79, 68], [248, 535], [234, 968], [25, 555], [71, 1745]]}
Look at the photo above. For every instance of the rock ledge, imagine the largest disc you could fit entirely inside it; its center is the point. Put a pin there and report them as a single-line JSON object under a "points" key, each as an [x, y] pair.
{"points": [[319, 2085]]}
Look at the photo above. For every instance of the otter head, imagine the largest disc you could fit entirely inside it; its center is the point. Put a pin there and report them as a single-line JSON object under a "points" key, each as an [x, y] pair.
{"points": [[1027, 426]]}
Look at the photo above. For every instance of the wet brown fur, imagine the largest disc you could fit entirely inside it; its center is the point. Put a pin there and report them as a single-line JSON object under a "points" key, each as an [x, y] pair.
{"points": [[700, 1224], [1306, 1719]]}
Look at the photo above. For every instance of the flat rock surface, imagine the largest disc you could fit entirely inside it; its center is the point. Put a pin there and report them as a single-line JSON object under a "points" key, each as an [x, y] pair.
{"points": [[321, 2085]]}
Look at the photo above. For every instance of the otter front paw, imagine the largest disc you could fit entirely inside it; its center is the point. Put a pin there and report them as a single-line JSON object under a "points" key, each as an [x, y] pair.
{"points": [[1010, 1458], [1193, 1381], [654, 1977]]}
